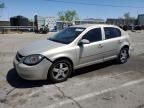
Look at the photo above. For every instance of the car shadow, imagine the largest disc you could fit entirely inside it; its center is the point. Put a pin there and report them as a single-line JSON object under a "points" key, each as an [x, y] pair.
{"points": [[17, 82], [94, 67]]}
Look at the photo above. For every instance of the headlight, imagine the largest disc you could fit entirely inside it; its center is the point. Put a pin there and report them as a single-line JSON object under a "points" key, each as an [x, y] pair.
{"points": [[33, 59]]}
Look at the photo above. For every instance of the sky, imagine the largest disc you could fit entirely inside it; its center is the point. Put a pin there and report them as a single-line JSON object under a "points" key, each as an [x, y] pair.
{"points": [[99, 9]]}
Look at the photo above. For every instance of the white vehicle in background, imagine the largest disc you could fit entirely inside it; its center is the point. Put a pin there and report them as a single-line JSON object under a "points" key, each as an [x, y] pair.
{"points": [[44, 24]]}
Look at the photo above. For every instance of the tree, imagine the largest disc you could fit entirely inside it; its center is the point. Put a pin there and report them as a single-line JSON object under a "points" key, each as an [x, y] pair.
{"points": [[2, 5], [61, 16], [68, 15]]}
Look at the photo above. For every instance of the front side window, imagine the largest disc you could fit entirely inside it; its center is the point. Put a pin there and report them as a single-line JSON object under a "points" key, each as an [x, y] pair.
{"points": [[111, 32], [93, 35], [67, 35]]}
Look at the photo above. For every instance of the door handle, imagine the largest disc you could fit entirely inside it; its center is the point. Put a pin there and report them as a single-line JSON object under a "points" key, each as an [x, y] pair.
{"points": [[100, 46]]}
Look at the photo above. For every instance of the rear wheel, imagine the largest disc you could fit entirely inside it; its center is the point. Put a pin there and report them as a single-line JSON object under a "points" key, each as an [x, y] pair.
{"points": [[123, 55], [60, 71]]}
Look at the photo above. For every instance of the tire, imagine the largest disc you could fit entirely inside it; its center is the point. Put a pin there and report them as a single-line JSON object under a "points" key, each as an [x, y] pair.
{"points": [[60, 71], [123, 56]]}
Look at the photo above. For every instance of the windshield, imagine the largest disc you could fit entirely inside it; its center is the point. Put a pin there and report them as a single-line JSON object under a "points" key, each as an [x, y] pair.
{"points": [[67, 35]]}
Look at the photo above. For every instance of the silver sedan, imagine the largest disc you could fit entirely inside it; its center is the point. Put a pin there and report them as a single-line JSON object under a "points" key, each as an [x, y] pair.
{"points": [[72, 48]]}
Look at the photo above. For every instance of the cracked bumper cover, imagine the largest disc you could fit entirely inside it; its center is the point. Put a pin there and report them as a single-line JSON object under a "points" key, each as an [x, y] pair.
{"points": [[35, 72]]}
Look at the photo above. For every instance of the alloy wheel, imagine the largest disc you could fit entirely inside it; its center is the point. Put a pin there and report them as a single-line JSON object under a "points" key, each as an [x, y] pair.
{"points": [[124, 55], [60, 71]]}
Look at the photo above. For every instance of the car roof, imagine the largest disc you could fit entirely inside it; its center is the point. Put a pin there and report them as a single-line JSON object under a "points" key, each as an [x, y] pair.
{"points": [[94, 25]]}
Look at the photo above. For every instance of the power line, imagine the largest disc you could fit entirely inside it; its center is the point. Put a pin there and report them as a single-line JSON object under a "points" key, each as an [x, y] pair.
{"points": [[94, 4]]}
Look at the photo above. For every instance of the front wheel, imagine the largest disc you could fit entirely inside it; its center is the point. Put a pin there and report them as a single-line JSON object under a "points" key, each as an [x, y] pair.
{"points": [[60, 71], [123, 55]]}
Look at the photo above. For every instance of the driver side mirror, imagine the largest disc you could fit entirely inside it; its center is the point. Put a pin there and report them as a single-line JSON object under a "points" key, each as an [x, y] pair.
{"points": [[83, 41]]}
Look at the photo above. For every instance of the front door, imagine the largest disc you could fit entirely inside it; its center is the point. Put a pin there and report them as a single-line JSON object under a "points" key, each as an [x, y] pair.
{"points": [[91, 52]]}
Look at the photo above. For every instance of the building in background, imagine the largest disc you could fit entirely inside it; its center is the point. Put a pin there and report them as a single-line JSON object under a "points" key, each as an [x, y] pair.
{"points": [[121, 21], [115, 21], [42, 24], [63, 24], [19, 21], [140, 19], [89, 21], [4, 23]]}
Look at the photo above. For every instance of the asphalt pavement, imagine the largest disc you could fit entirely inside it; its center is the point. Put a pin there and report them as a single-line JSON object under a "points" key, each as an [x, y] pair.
{"points": [[105, 85]]}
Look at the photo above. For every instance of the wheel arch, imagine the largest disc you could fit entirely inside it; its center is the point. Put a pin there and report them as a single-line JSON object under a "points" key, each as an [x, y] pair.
{"points": [[125, 46], [64, 58]]}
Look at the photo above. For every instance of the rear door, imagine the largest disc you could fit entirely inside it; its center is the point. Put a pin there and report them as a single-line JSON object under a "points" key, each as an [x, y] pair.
{"points": [[112, 42]]}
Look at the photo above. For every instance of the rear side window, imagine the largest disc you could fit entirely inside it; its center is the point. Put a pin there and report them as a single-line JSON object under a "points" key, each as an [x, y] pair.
{"points": [[111, 32], [93, 35]]}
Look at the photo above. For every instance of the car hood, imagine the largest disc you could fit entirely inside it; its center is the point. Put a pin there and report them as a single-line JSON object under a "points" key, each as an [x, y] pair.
{"points": [[39, 47]]}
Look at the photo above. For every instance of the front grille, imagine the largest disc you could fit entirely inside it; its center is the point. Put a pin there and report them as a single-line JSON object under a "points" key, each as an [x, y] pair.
{"points": [[19, 57]]}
